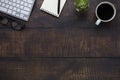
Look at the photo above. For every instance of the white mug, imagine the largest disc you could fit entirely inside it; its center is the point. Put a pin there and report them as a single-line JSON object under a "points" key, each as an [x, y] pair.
{"points": [[101, 20]]}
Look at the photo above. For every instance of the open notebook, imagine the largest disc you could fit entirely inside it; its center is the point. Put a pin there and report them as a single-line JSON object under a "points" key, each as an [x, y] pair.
{"points": [[51, 6]]}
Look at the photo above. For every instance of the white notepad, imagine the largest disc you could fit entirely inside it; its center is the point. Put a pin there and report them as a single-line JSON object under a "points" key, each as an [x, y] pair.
{"points": [[51, 6]]}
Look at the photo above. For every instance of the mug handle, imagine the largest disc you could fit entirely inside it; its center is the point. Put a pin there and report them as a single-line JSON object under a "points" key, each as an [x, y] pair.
{"points": [[98, 22]]}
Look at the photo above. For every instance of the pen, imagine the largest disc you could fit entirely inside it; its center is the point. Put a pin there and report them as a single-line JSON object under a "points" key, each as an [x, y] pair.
{"points": [[58, 7]]}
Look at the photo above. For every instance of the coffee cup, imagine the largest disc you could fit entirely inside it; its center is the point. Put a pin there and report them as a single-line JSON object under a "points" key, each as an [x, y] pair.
{"points": [[105, 12]]}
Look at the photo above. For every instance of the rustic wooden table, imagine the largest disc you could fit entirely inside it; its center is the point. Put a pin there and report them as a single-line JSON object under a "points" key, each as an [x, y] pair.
{"points": [[68, 48]]}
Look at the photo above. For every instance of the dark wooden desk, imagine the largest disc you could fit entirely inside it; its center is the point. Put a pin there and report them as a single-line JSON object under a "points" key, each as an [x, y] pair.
{"points": [[67, 48]]}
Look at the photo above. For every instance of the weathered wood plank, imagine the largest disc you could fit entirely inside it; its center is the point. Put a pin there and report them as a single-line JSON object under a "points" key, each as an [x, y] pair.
{"points": [[59, 43], [61, 69]]}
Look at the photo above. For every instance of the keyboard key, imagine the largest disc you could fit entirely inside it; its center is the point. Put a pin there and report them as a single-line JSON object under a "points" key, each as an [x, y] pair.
{"points": [[10, 3], [13, 13], [25, 4], [22, 3], [3, 9], [9, 11], [22, 15], [10, 7], [18, 1], [29, 5], [7, 6], [25, 18], [14, 0], [26, 9], [18, 5], [14, 8], [18, 10], [14, 4], [30, 1], [17, 15], [6, 1], [3, 4], [2, 0], [21, 7], [24, 12]]}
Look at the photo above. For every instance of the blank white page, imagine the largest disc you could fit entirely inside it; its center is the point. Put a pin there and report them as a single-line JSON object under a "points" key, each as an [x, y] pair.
{"points": [[51, 6]]}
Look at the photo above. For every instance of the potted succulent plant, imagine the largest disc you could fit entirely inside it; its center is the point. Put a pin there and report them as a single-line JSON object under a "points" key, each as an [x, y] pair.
{"points": [[81, 5]]}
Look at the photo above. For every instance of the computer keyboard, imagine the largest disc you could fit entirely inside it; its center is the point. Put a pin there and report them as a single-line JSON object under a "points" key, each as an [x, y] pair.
{"points": [[20, 9]]}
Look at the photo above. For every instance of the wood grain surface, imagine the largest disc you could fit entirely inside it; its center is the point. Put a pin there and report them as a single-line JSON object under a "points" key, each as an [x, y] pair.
{"points": [[70, 47], [60, 69], [70, 35]]}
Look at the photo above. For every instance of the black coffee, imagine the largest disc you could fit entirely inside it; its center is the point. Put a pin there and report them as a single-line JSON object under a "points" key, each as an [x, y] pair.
{"points": [[105, 11]]}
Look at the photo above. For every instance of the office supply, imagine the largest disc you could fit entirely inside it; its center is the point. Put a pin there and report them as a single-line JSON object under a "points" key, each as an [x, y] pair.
{"points": [[51, 6], [20, 9], [58, 6]]}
